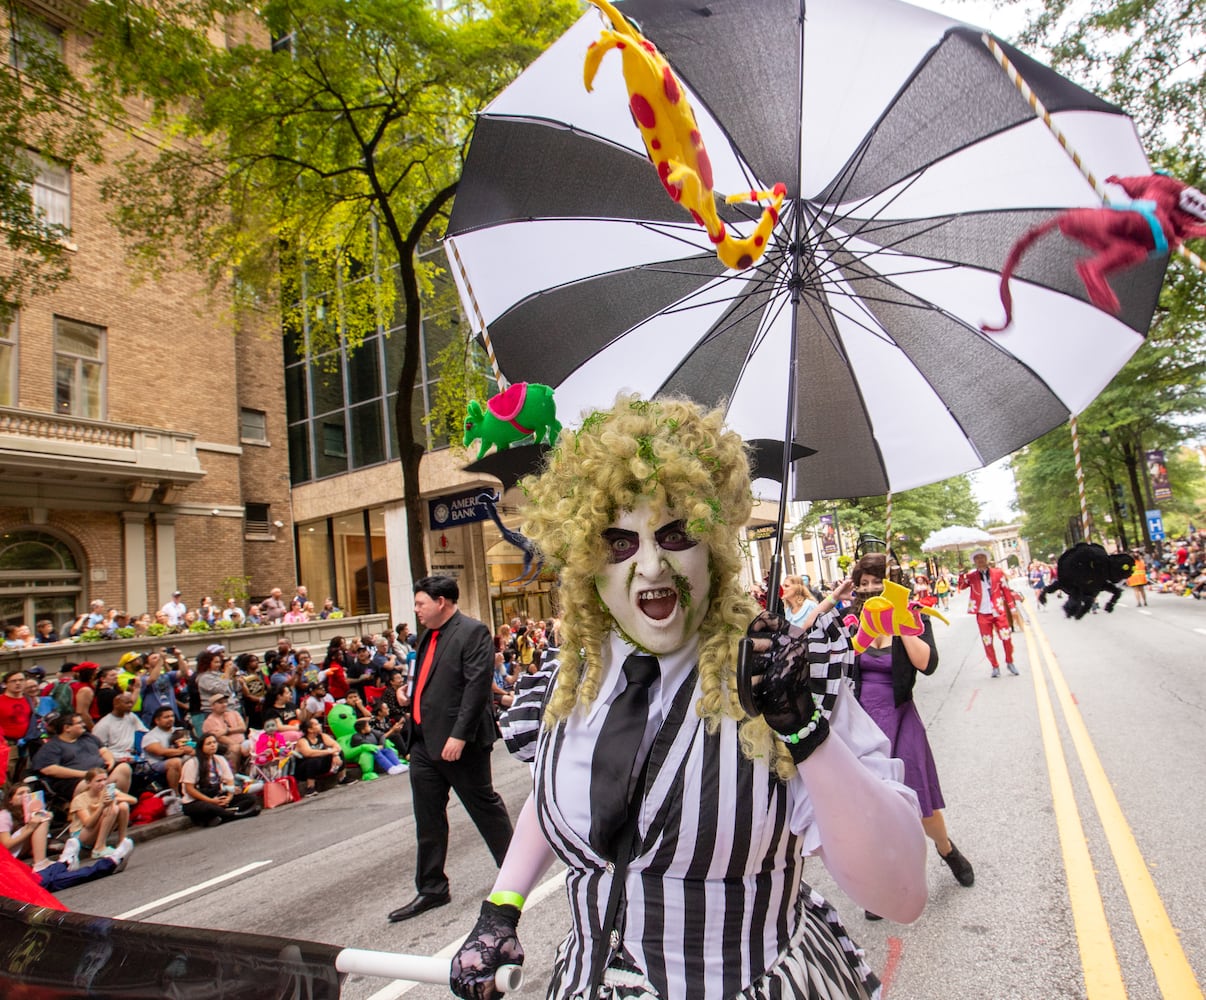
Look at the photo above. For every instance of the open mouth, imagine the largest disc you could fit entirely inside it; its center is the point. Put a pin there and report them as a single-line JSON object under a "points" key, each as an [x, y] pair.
{"points": [[658, 604]]}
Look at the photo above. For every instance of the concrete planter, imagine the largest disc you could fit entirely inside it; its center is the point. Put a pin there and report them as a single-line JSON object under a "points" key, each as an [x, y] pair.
{"points": [[249, 639]]}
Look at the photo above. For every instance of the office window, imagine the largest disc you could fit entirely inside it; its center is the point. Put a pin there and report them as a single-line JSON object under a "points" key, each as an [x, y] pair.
{"points": [[52, 191], [257, 520], [8, 356], [31, 40], [253, 425], [79, 369]]}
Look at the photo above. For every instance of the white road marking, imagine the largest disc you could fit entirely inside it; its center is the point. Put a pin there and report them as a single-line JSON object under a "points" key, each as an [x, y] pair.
{"points": [[199, 887], [1143, 611], [398, 987]]}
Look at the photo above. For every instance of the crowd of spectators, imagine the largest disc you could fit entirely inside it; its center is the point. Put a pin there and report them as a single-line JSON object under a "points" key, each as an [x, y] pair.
{"points": [[93, 739], [100, 622], [1181, 567]]}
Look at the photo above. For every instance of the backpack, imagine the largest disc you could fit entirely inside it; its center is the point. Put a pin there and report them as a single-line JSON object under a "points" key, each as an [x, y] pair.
{"points": [[64, 697], [149, 808]]}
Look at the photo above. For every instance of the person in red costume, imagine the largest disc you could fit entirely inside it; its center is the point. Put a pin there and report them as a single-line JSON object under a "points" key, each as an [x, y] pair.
{"points": [[992, 602]]}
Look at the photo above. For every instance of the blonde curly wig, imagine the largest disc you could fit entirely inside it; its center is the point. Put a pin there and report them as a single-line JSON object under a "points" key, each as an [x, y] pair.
{"points": [[673, 453]]}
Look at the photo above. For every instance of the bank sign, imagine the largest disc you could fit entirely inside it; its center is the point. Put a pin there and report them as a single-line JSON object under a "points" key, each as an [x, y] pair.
{"points": [[456, 509]]}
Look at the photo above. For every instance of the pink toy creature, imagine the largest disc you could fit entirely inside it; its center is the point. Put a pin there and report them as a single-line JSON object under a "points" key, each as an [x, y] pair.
{"points": [[1163, 214]]}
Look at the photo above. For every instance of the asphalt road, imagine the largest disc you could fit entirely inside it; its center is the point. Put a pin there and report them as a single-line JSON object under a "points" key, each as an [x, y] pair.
{"points": [[1074, 789]]}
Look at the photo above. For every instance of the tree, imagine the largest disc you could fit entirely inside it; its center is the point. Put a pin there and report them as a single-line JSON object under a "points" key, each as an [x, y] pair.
{"points": [[916, 513], [48, 120], [306, 164]]}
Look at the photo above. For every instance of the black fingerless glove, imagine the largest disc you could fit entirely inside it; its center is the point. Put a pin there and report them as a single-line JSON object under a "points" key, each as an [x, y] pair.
{"points": [[784, 694], [491, 944]]}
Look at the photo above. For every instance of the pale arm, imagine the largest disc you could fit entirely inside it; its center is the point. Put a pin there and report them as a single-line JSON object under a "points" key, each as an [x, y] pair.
{"points": [[529, 855]]}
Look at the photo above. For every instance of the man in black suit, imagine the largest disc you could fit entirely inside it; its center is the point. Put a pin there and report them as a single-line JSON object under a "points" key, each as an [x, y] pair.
{"points": [[452, 738]]}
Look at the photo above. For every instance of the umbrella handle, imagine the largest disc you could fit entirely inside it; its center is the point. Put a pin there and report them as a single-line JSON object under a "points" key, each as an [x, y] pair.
{"points": [[416, 968]]}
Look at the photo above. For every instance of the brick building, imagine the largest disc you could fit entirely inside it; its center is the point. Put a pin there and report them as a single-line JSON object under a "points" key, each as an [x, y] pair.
{"points": [[143, 445]]}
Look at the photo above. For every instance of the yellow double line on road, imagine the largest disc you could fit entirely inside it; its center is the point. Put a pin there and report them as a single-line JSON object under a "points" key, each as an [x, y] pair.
{"points": [[1103, 976]]}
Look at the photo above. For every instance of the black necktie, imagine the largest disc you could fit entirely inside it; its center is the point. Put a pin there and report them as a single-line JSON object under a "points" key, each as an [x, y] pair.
{"points": [[984, 574], [616, 753]]}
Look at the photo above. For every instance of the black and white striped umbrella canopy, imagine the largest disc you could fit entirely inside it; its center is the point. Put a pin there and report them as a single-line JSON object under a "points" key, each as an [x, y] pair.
{"points": [[912, 164]]}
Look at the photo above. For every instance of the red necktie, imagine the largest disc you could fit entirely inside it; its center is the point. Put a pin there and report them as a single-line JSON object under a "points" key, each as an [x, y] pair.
{"points": [[423, 672]]}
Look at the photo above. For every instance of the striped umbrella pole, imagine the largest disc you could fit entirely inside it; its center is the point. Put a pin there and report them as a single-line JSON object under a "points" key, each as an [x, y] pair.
{"points": [[888, 524], [1080, 481], [477, 311], [1044, 115]]}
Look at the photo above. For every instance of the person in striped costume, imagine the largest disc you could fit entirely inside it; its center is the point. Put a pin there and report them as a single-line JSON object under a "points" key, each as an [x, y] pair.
{"points": [[692, 889]]}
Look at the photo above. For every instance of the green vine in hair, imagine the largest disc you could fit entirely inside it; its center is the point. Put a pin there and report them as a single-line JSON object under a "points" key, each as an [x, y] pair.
{"points": [[683, 586]]}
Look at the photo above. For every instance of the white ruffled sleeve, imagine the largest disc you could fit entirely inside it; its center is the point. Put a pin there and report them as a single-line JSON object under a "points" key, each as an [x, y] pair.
{"points": [[520, 724]]}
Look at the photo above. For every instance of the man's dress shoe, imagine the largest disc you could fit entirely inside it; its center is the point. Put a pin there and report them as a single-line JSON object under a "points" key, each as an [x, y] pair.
{"points": [[420, 904]]}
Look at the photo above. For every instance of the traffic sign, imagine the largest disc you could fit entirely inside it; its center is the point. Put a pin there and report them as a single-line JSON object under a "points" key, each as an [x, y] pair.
{"points": [[1155, 525]]}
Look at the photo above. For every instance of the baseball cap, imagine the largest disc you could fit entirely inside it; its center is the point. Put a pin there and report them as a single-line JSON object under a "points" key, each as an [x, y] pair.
{"points": [[127, 658], [86, 665], [214, 699], [175, 593], [215, 647], [67, 668], [36, 671]]}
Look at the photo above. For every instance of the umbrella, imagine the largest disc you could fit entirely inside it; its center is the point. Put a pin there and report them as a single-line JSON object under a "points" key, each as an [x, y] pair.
{"points": [[955, 537], [510, 465], [911, 162]]}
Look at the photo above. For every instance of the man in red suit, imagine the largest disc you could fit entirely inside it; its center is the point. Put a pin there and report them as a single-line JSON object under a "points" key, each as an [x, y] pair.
{"points": [[992, 602]]}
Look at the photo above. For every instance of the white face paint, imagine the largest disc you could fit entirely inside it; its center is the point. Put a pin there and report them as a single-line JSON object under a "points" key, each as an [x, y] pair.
{"points": [[658, 583]]}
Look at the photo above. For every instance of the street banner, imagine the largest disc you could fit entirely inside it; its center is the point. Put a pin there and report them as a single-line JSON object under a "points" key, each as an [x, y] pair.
{"points": [[829, 541], [1157, 473]]}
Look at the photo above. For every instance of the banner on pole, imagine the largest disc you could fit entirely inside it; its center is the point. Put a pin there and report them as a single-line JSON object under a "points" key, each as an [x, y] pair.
{"points": [[1157, 473], [829, 543]]}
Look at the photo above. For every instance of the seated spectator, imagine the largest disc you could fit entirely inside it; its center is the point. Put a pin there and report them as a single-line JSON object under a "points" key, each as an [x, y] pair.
{"points": [[89, 619], [328, 609], [307, 670], [23, 829], [320, 756], [99, 808], [166, 748], [118, 729], [119, 619], [158, 688], [500, 687], [65, 758], [232, 612], [395, 698], [296, 614], [385, 757], [384, 657], [105, 690], [252, 687], [206, 611], [209, 788], [229, 727], [142, 624], [254, 615], [83, 691], [308, 608], [281, 708], [361, 673], [17, 637], [404, 643], [215, 674], [45, 632], [316, 703]]}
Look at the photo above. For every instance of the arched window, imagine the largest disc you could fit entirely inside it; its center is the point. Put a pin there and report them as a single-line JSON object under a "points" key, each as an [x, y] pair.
{"points": [[40, 577]]}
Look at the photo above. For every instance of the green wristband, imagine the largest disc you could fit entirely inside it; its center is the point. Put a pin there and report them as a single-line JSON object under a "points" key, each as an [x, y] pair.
{"points": [[506, 899]]}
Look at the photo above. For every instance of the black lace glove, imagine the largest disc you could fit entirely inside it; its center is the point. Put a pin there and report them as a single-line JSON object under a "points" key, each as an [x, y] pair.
{"points": [[490, 945], [784, 692]]}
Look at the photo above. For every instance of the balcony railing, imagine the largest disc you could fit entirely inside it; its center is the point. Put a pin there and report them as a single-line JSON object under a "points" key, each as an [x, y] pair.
{"points": [[127, 449]]}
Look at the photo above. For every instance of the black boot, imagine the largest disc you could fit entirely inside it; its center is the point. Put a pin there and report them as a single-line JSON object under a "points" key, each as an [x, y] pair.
{"points": [[959, 865]]}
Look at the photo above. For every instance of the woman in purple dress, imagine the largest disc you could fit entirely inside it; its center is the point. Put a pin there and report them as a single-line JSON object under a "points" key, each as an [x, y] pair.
{"points": [[883, 681]]}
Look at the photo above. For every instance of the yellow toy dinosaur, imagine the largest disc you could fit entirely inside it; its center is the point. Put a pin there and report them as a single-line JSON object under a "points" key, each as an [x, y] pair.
{"points": [[889, 613], [672, 139]]}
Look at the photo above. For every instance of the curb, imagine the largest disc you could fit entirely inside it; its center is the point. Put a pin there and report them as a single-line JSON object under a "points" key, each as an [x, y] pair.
{"points": [[158, 828]]}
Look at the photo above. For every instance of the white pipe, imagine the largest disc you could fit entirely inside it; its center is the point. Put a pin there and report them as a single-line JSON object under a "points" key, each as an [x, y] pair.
{"points": [[415, 968]]}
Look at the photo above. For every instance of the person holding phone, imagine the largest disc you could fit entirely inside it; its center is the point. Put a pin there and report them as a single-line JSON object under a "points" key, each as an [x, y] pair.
{"points": [[24, 826], [97, 809]]}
